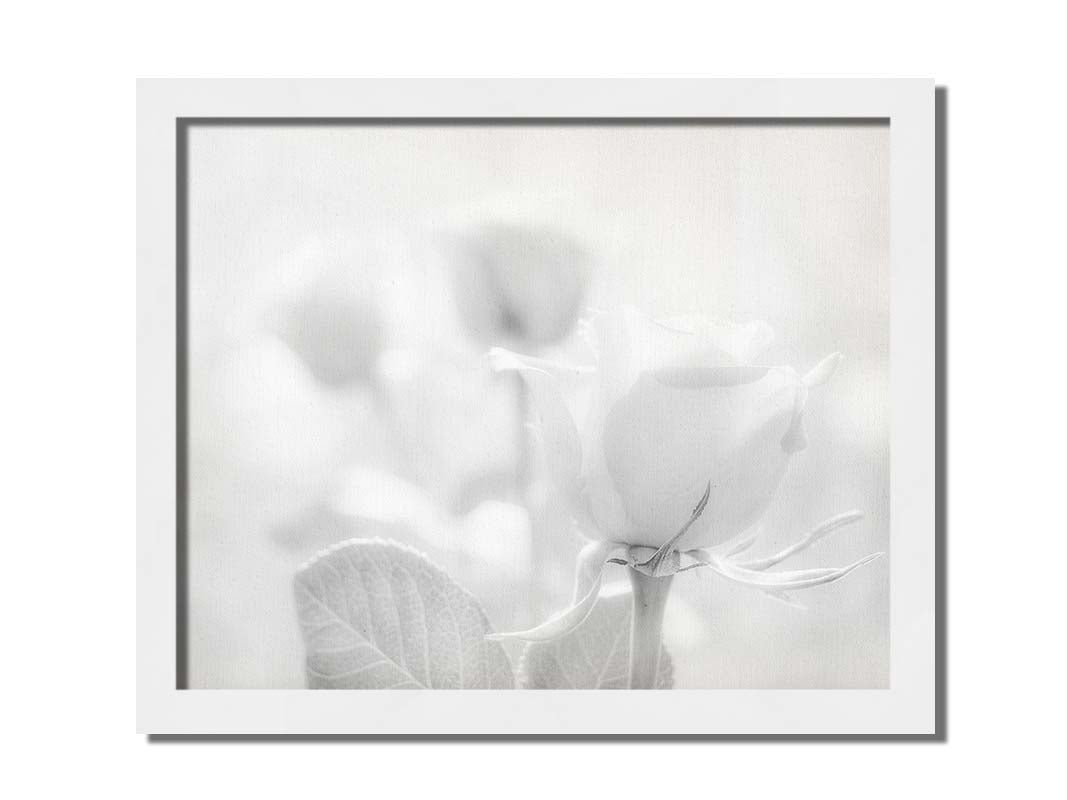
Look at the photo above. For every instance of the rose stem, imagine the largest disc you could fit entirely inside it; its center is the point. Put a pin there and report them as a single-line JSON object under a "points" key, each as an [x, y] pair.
{"points": [[523, 459], [646, 627], [524, 485]]}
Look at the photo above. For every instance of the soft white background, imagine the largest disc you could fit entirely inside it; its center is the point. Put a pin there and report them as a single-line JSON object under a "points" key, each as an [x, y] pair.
{"points": [[67, 327], [786, 224]]}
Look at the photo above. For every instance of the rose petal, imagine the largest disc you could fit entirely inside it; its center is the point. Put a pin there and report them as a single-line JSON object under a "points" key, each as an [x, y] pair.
{"points": [[629, 343], [591, 560], [823, 371], [559, 625], [708, 377], [588, 574], [821, 531], [662, 444], [786, 581], [743, 544]]}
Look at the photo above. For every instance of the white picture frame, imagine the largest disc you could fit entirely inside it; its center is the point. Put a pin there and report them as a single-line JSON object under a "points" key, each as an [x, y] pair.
{"points": [[908, 708]]}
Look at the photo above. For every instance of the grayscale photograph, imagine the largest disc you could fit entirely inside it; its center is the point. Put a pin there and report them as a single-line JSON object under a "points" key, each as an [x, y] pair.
{"points": [[537, 405]]}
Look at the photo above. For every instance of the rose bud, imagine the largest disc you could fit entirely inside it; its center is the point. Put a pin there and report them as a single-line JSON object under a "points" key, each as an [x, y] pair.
{"points": [[518, 284]]}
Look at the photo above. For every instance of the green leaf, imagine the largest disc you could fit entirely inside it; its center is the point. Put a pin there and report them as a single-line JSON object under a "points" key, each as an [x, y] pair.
{"points": [[377, 615], [596, 655]]}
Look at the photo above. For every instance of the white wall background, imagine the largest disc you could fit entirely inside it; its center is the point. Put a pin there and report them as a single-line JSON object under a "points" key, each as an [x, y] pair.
{"points": [[67, 326]]}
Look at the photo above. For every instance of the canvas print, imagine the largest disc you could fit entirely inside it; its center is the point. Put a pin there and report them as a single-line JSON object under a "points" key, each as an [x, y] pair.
{"points": [[529, 406]]}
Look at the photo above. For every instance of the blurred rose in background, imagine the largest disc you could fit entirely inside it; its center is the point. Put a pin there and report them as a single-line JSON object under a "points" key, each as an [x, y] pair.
{"points": [[518, 284]]}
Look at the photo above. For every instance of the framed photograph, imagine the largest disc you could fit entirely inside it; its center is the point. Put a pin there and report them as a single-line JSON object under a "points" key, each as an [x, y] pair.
{"points": [[464, 402]]}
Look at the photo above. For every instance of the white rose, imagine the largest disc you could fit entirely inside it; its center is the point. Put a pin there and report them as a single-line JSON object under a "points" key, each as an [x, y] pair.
{"points": [[682, 448], [678, 404]]}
